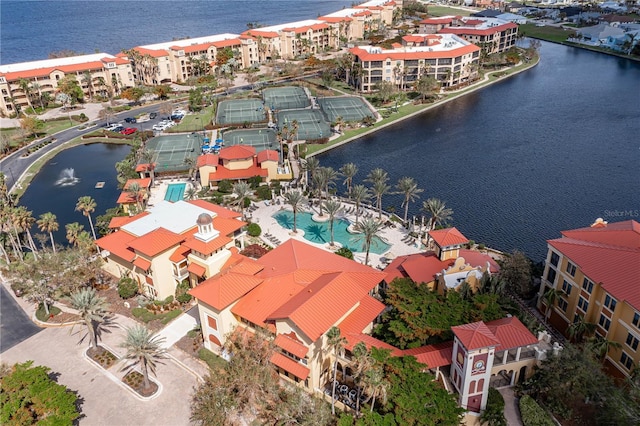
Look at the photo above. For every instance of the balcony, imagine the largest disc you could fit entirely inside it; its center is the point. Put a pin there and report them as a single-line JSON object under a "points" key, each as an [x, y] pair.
{"points": [[181, 273]]}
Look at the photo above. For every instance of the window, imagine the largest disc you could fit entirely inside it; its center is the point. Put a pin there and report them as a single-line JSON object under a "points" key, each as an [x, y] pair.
{"points": [[571, 269], [566, 287], [583, 304], [555, 258], [604, 322], [632, 341], [212, 322], [587, 285], [610, 303], [551, 275], [626, 360], [562, 304], [636, 319]]}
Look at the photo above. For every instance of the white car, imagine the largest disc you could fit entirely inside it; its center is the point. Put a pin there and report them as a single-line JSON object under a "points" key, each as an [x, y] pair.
{"points": [[159, 127]]}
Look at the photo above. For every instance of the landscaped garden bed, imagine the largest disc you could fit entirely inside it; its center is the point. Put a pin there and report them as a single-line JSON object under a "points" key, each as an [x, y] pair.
{"points": [[135, 381], [102, 356]]}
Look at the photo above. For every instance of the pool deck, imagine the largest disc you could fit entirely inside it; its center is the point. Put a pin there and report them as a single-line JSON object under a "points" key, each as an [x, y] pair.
{"points": [[159, 189], [263, 216]]}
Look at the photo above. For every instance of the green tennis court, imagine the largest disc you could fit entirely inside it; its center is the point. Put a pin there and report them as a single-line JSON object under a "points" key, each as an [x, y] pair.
{"points": [[172, 151], [260, 139], [240, 111], [286, 97], [349, 108], [311, 123]]}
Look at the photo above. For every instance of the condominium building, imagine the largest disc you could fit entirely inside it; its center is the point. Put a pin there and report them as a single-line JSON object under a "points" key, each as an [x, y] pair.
{"points": [[445, 57], [23, 84], [354, 23], [595, 270]]}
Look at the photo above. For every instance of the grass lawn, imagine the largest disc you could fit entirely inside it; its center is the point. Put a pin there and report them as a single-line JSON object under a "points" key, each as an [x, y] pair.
{"points": [[194, 122], [445, 11], [554, 34]]}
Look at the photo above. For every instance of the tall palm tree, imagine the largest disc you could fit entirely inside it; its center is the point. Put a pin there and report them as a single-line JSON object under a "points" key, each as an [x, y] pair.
{"points": [[325, 177], [332, 207], [377, 384], [379, 189], [86, 79], [348, 170], [73, 231], [408, 187], [191, 193], [601, 346], [336, 343], [359, 194], [48, 223], [135, 191], [438, 213], [242, 191], [551, 296], [93, 309], [311, 165], [368, 231], [25, 86], [296, 200], [143, 350], [87, 205], [24, 220], [579, 328], [363, 361], [146, 157]]}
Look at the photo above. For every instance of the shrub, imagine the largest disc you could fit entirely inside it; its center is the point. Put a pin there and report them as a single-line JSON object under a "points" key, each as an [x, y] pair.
{"points": [[345, 252], [532, 414], [171, 315], [184, 298], [470, 244], [494, 412], [181, 292], [166, 301], [254, 230], [264, 192], [127, 288], [143, 314], [41, 314], [225, 186], [212, 360], [254, 181], [481, 246]]}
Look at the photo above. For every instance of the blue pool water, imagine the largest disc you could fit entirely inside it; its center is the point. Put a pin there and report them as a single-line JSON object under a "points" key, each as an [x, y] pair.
{"points": [[319, 233], [175, 192]]}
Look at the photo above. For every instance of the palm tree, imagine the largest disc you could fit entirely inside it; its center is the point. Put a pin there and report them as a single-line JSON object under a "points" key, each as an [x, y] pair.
{"points": [[191, 193], [368, 233], [550, 298], [146, 157], [87, 205], [86, 79], [362, 363], [328, 176], [23, 219], [143, 350], [93, 309], [242, 191], [26, 89], [48, 223], [359, 194], [73, 231], [336, 343], [311, 165], [379, 189], [348, 170], [579, 328], [296, 200], [135, 191], [600, 347], [408, 187], [438, 213], [332, 207], [376, 384]]}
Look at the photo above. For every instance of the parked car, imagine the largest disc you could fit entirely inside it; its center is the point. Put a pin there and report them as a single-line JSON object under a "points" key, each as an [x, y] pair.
{"points": [[129, 131], [115, 128], [158, 127], [153, 115], [130, 120]]}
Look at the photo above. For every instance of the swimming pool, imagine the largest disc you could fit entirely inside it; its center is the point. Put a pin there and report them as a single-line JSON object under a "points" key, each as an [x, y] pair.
{"points": [[319, 233], [175, 192]]}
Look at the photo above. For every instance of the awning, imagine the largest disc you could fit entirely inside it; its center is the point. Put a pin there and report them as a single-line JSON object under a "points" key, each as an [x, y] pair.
{"points": [[289, 365], [142, 263], [291, 346], [196, 269]]}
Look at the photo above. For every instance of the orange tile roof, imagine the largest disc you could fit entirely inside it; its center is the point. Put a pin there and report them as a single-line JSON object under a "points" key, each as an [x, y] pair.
{"points": [[268, 154], [40, 72], [247, 266], [126, 197], [423, 269], [263, 34], [196, 269], [142, 263], [218, 210], [209, 247], [335, 19], [221, 291], [448, 237], [156, 241], [287, 364], [511, 333], [179, 254], [422, 54], [143, 167], [433, 356], [237, 152], [292, 346], [117, 243], [151, 52], [207, 160], [119, 221], [475, 335], [223, 173], [607, 255], [352, 326], [193, 47], [227, 42], [437, 21], [369, 342], [476, 31], [227, 226], [144, 183]]}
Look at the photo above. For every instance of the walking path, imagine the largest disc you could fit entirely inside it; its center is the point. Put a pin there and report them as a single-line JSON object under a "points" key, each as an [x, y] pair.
{"points": [[511, 410]]}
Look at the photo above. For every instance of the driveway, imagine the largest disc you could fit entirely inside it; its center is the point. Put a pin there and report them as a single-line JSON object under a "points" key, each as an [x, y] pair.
{"points": [[15, 325]]}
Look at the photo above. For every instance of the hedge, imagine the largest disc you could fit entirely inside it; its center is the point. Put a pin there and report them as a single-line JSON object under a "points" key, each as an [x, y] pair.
{"points": [[532, 414], [145, 315], [254, 230]]}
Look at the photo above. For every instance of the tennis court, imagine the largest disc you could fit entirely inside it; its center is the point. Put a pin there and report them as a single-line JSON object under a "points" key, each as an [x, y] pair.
{"points": [[311, 123], [171, 152], [286, 97], [260, 139], [240, 111], [350, 108]]}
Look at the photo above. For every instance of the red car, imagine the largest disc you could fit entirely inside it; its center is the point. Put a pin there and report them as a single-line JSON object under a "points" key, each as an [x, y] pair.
{"points": [[129, 131]]}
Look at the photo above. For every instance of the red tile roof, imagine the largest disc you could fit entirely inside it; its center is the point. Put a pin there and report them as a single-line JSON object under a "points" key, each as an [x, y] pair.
{"points": [[209, 247], [151, 52], [207, 160], [437, 21], [334, 19], [476, 31], [42, 72], [143, 183], [156, 241], [287, 364], [142, 263], [118, 244], [448, 237], [292, 346], [263, 34], [511, 333], [221, 212], [223, 173], [433, 356], [268, 154], [475, 335], [476, 258], [221, 291], [119, 221], [353, 325], [607, 255], [237, 152], [143, 167], [196, 269], [179, 254]]}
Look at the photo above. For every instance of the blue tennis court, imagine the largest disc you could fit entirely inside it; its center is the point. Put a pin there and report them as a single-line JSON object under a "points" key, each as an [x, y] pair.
{"points": [[175, 192]]}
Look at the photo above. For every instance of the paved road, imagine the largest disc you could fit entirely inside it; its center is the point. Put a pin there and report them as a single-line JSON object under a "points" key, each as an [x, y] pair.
{"points": [[15, 325]]}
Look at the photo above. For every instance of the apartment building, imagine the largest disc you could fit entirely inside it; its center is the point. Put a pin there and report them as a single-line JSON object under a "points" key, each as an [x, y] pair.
{"points": [[23, 84], [445, 57], [354, 23], [595, 270]]}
